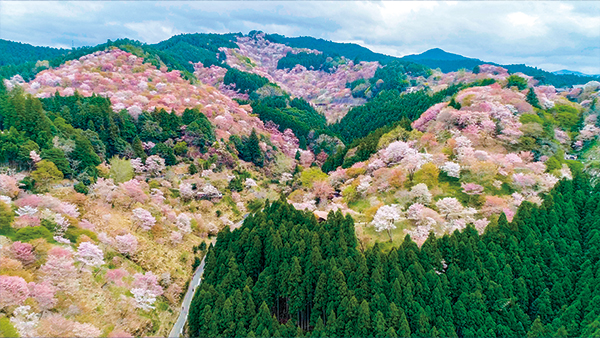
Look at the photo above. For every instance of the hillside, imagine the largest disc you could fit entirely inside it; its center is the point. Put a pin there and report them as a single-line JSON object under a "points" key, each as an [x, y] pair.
{"points": [[110, 199], [288, 276], [351, 51], [373, 190], [15, 53]]}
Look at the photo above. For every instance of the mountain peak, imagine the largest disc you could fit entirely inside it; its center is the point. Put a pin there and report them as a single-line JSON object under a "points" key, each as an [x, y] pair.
{"points": [[436, 54]]}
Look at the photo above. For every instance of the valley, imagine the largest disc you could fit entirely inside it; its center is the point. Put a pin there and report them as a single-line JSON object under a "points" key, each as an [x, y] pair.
{"points": [[323, 189]]}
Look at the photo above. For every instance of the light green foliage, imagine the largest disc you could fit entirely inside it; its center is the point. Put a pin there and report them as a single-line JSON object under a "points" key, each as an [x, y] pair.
{"points": [[350, 194], [529, 118], [180, 148], [46, 173], [7, 329], [6, 219], [397, 134], [567, 117], [120, 170], [311, 175], [30, 233], [532, 129], [428, 174], [73, 233]]}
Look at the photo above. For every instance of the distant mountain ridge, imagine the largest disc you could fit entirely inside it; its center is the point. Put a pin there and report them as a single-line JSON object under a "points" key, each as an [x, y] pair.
{"points": [[570, 72], [178, 51], [450, 62], [437, 54]]}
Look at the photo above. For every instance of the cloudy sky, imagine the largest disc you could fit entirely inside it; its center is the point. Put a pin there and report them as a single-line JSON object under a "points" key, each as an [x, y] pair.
{"points": [[551, 35]]}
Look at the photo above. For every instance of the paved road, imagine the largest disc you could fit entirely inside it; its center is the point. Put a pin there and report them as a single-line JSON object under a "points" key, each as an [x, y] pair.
{"points": [[196, 279], [178, 328]]}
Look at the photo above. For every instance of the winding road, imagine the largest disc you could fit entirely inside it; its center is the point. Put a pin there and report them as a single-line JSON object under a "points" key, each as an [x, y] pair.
{"points": [[185, 306], [177, 330]]}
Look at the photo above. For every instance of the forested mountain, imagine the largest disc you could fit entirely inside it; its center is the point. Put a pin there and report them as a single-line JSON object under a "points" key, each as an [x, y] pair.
{"points": [[177, 52], [449, 62], [349, 50], [284, 274], [386, 108], [103, 199], [186, 48], [15, 53], [569, 72], [437, 54]]}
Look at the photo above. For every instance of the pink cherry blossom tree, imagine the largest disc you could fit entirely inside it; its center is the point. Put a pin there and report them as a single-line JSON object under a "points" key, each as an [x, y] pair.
{"points": [[33, 155], [176, 237], [55, 325], [420, 194], [105, 189], [185, 191], [133, 190], [23, 252], [157, 196], [89, 255], [8, 186], [119, 334], [137, 165], [126, 244], [85, 330], [449, 207], [385, 219], [25, 321], [85, 224], [322, 190], [13, 291], [184, 223], [143, 218], [452, 169], [472, 188], [145, 290], [68, 209], [59, 269], [43, 293], [155, 165], [116, 276], [481, 224]]}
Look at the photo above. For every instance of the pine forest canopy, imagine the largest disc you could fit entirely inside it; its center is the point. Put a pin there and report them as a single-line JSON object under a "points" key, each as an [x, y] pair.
{"points": [[84, 131], [284, 274]]}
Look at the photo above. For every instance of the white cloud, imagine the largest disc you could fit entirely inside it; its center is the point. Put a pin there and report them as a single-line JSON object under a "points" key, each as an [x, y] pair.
{"points": [[522, 19], [541, 33], [152, 31]]}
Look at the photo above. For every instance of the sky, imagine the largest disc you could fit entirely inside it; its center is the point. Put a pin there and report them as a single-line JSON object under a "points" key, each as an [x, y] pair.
{"points": [[550, 35]]}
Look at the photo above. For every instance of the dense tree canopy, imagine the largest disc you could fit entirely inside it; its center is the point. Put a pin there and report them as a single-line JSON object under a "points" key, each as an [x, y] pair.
{"points": [[244, 82], [284, 274], [75, 133], [309, 60], [386, 108]]}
